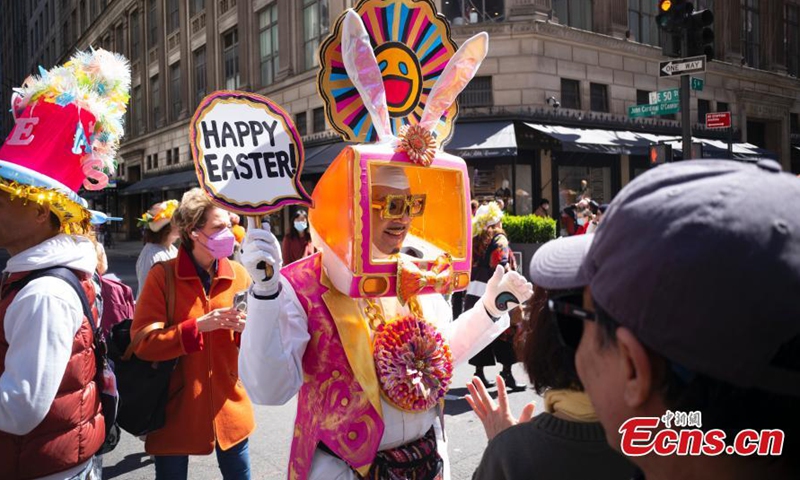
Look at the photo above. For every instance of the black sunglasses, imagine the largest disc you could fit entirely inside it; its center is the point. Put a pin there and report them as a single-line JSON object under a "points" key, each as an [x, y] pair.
{"points": [[569, 316]]}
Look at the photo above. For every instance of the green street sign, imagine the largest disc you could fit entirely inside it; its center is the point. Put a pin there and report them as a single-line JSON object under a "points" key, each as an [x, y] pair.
{"points": [[665, 96], [697, 84], [652, 110]]}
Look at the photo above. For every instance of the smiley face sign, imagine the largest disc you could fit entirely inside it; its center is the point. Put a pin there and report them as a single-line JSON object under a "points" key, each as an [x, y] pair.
{"points": [[412, 45], [247, 152]]}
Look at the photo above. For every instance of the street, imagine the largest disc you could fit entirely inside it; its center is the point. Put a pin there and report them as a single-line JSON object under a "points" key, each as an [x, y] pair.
{"points": [[269, 444]]}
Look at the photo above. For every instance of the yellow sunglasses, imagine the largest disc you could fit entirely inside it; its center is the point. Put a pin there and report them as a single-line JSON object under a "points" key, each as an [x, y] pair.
{"points": [[396, 206]]}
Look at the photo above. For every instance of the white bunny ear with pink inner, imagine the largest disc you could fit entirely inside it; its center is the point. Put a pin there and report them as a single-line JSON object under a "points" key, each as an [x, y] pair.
{"points": [[455, 77], [364, 72]]}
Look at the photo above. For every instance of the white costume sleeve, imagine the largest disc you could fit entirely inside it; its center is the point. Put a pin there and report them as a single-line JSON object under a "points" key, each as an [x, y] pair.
{"points": [[470, 332], [40, 326], [272, 348]]}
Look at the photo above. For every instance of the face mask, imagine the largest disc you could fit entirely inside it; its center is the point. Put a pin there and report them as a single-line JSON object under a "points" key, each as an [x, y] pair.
{"points": [[220, 244], [300, 226], [581, 221]]}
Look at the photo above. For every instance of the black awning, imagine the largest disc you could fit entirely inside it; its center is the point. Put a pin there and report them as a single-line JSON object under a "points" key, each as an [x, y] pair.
{"points": [[483, 139], [318, 158], [167, 181]]}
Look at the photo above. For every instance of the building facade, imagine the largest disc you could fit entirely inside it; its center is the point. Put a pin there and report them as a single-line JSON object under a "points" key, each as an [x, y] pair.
{"points": [[548, 108]]}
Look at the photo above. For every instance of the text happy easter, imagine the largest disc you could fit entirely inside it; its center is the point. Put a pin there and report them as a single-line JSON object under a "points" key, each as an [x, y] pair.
{"points": [[249, 148]]}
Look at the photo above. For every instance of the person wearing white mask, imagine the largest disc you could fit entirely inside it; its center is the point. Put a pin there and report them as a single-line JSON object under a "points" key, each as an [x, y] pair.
{"points": [[297, 242]]}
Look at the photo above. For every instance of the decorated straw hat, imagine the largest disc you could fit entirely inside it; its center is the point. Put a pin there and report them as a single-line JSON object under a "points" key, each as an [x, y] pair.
{"points": [[158, 216], [68, 124]]}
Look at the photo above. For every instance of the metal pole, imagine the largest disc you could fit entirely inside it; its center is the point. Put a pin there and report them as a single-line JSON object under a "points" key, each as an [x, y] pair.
{"points": [[730, 141], [685, 106]]}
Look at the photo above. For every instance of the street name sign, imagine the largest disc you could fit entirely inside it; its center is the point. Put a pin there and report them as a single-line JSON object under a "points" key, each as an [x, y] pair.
{"points": [[665, 96], [718, 120], [654, 109], [697, 84], [682, 66]]}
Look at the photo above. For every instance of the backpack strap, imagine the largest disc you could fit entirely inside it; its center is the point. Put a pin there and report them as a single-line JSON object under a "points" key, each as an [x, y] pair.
{"points": [[72, 280], [169, 296]]}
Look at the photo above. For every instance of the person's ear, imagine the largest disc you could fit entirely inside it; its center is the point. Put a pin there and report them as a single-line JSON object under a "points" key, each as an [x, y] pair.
{"points": [[42, 213], [637, 368]]}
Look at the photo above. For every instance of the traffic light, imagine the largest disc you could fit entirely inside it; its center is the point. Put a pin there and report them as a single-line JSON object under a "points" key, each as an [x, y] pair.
{"points": [[660, 153], [701, 34], [673, 15], [673, 19]]}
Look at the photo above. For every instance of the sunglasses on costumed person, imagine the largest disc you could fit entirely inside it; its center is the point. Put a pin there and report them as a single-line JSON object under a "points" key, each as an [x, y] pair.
{"points": [[397, 206]]}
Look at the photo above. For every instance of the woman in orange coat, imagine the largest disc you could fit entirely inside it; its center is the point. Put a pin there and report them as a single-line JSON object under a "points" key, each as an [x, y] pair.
{"points": [[207, 405]]}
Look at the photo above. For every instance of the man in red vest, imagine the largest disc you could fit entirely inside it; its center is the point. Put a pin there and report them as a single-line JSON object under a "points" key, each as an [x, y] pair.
{"points": [[67, 127]]}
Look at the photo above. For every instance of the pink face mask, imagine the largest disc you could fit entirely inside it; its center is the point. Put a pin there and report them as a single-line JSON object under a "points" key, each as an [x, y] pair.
{"points": [[220, 244]]}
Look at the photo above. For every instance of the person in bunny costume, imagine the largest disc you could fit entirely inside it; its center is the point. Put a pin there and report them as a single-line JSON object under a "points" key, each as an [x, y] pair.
{"points": [[361, 330]]}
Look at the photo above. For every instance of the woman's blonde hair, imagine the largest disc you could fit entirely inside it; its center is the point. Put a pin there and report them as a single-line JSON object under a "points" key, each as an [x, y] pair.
{"points": [[191, 215]]}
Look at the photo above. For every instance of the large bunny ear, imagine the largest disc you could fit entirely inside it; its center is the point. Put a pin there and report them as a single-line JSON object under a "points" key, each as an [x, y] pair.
{"points": [[455, 77], [364, 72]]}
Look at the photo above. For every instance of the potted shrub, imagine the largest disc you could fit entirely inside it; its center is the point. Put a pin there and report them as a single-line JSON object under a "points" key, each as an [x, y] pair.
{"points": [[526, 234]]}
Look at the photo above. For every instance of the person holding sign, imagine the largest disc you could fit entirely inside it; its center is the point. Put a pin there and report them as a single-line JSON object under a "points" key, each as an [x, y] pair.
{"points": [[208, 409], [361, 331]]}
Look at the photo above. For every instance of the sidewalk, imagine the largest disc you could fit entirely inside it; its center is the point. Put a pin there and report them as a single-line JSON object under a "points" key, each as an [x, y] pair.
{"points": [[126, 249]]}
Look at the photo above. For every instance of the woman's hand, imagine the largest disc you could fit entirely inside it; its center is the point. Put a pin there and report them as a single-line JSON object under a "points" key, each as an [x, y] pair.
{"points": [[228, 318], [495, 418]]}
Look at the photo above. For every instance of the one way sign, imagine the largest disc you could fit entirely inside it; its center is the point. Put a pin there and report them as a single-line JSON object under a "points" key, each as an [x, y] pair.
{"points": [[682, 66]]}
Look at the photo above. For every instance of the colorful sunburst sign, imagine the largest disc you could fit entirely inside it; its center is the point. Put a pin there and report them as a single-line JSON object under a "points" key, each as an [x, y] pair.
{"points": [[412, 45]]}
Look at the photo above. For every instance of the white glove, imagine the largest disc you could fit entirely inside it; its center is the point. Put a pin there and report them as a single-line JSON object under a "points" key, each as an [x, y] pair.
{"points": [[259, 250], [505, 291]]}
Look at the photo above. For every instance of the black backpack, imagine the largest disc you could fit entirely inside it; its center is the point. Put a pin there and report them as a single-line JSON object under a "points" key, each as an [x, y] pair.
{"points": [[143, 385], [104, 375]]}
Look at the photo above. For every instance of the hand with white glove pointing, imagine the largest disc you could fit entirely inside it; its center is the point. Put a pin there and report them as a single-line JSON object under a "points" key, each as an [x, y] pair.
{"points": [[505, 291], [261, 253]]}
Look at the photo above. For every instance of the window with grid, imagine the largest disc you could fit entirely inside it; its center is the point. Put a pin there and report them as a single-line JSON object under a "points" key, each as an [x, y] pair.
{"points": [[268, 43], [169, 157], [599, 97], [751, 32], [155, 99], [642, 21], [173, 16], [136, 40], [149, 162], [315, 26], [230, 58], [155, 160], [300, 123], [792, 39], [703, 107], [176, 155], [319, 119], [196, 6], [152, 24], [570, 93], [137, 110], [199, 74], [478, 93], [575, 13], [175, 90]]}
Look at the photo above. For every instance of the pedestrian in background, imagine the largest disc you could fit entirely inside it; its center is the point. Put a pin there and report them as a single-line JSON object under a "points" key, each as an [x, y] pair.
{"points": [[208, 408], [566, 440], [490, 249], [159, 237], [297, 242]]}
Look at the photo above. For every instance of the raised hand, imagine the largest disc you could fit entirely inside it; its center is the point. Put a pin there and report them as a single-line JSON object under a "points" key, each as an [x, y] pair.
{"points": [[495, 417]]}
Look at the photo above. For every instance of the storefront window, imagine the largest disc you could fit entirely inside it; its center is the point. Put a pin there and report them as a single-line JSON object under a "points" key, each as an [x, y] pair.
{"points": [[578, 182], [524, 188]]}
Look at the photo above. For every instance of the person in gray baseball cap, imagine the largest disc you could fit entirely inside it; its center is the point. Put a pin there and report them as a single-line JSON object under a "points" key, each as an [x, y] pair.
{"points": [[691, 304]]}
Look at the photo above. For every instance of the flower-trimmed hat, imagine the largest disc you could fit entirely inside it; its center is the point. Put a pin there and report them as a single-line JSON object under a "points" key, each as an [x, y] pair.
{"points": [[68, 123], [486, 216], [158, 216]]}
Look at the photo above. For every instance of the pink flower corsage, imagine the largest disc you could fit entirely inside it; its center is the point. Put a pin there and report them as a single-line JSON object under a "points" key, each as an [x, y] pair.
{"points": [[413, 362]]}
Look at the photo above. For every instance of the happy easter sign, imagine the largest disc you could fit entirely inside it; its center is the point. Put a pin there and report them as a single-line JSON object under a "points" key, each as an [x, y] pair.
{"points": [[247, 152]]}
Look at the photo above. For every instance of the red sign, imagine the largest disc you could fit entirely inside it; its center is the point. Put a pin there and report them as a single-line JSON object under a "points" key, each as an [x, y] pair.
{"points": [[718, 120]]}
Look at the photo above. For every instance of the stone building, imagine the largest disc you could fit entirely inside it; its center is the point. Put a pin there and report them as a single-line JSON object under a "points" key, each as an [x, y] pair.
{"points": [[548, 108]]}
